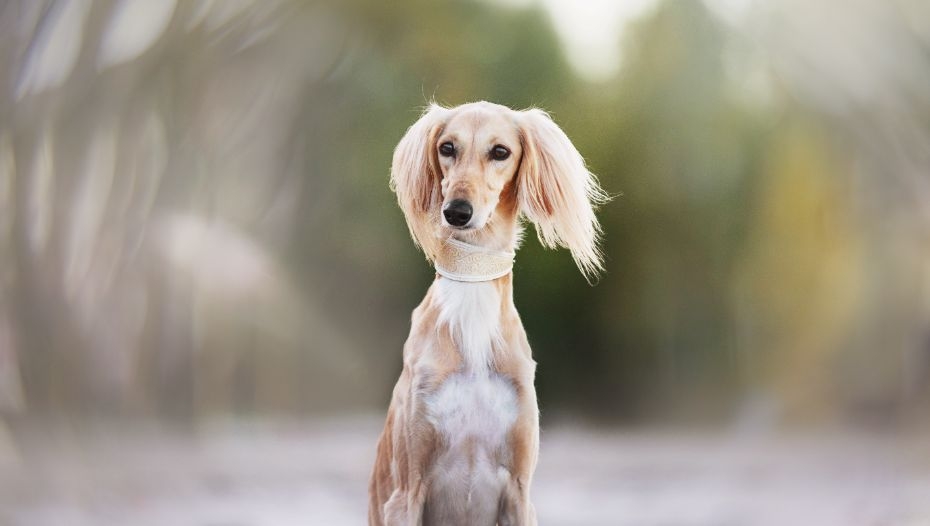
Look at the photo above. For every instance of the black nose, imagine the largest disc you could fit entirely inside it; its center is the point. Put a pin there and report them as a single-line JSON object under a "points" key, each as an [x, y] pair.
{"points": [[457, 212]]}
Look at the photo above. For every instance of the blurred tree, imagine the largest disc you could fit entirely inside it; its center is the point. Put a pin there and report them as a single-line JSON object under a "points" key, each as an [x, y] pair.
{"points": [[797, 288], [682, 152]]}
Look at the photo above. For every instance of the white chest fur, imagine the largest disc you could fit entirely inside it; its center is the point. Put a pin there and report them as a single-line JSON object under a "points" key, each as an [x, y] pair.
{"points": [[473, 410], [472, 311], [475, 394], [474, 402], [479, 407]]}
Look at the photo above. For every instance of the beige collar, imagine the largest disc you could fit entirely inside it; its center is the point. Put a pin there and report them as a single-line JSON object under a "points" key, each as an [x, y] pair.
{"points": [[461, 261]]}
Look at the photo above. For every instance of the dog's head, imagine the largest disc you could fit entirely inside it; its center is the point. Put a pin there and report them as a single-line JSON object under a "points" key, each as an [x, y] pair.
{"points": [[462, 171]]}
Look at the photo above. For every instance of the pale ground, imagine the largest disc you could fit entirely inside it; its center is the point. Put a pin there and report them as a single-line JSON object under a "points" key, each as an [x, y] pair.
{"points": [[315, 474]]}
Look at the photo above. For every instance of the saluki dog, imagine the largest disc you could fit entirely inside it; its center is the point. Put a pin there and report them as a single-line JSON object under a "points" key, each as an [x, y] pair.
{"points": [[461, 439]]}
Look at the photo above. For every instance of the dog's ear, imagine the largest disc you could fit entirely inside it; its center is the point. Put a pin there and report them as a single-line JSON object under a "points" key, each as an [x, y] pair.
{"points": [[557, 192], [416, 177]]}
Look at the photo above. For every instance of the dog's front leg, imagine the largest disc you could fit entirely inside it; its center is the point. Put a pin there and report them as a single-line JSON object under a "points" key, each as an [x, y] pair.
{"points": [[414, 449], [405, 507], [516, 508]]}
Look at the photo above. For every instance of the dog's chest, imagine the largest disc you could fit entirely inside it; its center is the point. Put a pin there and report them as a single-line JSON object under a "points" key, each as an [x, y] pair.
{"points": [[473, 413], [472, 410], [475, 408], [475, 404]]}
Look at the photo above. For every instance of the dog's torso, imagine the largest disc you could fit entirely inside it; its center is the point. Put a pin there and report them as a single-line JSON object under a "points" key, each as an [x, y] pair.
{"points": [[466, 387], [472, 412]]}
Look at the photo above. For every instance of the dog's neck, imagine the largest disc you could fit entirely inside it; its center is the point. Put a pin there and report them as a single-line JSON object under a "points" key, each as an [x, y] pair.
{"points": [[473, 291], [462, 261]]}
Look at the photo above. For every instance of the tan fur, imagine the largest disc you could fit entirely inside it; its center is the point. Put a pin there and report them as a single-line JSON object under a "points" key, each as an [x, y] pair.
{"points": [[545, 181]]}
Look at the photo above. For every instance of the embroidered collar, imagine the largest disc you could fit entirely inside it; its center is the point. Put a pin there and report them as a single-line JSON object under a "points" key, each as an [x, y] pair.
{"points": [[461, 261]]}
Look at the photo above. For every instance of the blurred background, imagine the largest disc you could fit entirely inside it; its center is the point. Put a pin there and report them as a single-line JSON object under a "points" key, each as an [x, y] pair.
{"points": [[205, 282]]}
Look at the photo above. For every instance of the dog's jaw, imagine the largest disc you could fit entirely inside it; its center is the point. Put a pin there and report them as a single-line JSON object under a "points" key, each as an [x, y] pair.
{"points": [[501, 232]]}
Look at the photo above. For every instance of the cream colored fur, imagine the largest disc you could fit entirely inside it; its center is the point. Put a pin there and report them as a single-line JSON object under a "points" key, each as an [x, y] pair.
{"points": [[460, 442]]}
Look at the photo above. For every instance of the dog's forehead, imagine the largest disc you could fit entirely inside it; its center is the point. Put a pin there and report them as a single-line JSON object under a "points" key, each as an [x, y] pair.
{"points": [[483, 121]]}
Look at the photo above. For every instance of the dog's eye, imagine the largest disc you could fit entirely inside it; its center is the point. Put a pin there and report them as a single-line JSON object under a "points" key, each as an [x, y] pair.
{"points": [[499, 153], [446, 149]]}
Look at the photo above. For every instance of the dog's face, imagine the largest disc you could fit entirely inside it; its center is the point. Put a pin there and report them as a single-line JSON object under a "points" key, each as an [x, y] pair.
{"points": [[478, 151], [458, 170]]}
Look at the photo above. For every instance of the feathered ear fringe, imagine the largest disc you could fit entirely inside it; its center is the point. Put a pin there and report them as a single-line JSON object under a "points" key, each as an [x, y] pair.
{"points": [[416, 176], [557, 192]]}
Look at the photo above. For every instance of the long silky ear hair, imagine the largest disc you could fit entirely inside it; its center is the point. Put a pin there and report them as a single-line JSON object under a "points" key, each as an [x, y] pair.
{"points": [[416, 176], [557, 192]]}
